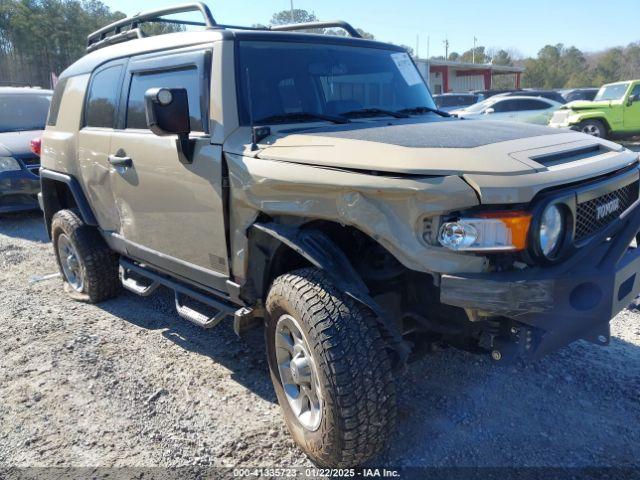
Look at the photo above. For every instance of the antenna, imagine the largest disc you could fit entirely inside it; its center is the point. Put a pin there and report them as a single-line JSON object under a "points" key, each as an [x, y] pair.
{"points": [[257, 133]]}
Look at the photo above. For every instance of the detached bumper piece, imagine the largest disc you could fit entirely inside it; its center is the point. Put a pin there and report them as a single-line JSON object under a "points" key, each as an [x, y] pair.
{"points": [[566, 302]]}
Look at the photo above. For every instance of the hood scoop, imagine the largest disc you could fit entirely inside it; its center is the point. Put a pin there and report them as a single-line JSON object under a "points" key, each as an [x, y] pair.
{"points": [[558, 158], [564, 155]]}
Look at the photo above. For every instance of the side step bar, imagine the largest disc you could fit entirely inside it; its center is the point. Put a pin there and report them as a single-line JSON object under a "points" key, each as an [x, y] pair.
{"points": [[223, 309]]}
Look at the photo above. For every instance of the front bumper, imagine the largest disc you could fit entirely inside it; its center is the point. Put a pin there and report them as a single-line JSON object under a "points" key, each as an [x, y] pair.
{"points": [[18, 191], [566, 302]]}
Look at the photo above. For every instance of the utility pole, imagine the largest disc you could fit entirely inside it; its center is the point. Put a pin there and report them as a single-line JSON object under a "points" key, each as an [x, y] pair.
{"points": [[418, 46], [428, 47], [292, 15], [446, 48], [473, 55]]}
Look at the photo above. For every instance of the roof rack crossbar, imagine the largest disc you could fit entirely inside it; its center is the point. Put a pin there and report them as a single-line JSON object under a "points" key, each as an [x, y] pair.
{"points": [[309, 25], [132, 23]]}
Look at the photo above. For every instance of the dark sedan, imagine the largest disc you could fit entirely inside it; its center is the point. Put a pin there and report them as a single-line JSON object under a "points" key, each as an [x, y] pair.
{"points": [[23, 114]]}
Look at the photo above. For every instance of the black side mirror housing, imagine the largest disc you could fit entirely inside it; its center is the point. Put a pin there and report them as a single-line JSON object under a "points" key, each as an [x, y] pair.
{"points": [[633, 99], [167, 111]]}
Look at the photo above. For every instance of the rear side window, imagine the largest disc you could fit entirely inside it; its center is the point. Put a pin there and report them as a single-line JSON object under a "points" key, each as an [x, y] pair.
{"points": [[103, 98], [56, 101], [187, 78], [533, 105]]}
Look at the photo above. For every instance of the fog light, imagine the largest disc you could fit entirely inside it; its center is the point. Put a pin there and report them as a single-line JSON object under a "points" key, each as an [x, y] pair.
{"points": [[457, 235]]}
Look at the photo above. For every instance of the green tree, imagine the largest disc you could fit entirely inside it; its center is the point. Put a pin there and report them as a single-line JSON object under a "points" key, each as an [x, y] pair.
{"points": [[502, 57], [40, 37], [286, 17], [480, 56]]}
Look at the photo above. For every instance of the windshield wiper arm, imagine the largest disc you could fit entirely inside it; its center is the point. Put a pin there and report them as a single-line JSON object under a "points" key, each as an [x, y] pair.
{"points": [[374, 112], [302, 116], [419, 110]]}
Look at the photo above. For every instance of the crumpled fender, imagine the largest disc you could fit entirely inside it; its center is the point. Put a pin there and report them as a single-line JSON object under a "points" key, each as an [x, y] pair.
{"points": [[319, 250]]}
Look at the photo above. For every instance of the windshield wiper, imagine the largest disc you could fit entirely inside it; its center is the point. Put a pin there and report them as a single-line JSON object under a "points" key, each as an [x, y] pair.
{"points": [[374, 112], [421, 110], [302, 117]]}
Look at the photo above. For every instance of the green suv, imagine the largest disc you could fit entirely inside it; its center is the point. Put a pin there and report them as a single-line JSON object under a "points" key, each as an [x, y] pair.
{"points": [[615, 112]]}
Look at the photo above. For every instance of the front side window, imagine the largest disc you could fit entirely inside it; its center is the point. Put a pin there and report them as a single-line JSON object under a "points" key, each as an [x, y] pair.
{"points": [[187, 78], [636, 91], [279, 79], [19, 113], [103, 98], [506, 106], [612, 92]]}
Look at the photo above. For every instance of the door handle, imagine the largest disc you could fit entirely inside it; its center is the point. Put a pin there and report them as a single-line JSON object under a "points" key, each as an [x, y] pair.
{"points": [[120, 160]]}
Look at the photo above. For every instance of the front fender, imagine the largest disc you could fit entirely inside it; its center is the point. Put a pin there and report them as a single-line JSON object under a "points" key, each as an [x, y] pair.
{"points": [[321, 252], [601, 115]]}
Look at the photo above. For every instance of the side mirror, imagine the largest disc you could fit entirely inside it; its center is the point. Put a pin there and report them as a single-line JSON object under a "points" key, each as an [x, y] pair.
{"points": [[489, 111], [633, 99], [167, 111]]}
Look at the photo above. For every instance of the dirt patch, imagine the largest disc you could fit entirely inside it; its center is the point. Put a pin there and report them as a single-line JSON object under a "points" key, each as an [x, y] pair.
{"points": [[128, 383]]}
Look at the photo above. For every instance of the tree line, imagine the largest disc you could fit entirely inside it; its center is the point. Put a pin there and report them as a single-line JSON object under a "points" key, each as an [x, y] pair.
{"points": [[41, 37]]}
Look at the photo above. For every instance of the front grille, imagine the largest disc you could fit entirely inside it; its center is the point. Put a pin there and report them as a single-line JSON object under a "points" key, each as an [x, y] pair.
{"points": [[560, 116], [593, 215]]}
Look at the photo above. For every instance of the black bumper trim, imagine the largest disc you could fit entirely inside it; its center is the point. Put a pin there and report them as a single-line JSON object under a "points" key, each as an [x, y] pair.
{"points": [[567, 301]]}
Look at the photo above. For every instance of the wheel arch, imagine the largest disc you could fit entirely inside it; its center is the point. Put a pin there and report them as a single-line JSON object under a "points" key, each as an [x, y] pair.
{"points": [[61, 191], [276, 248], [601, 117]]}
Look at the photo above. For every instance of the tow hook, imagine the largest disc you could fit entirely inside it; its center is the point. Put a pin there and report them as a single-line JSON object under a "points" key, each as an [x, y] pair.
{"points": [[517, 344]]}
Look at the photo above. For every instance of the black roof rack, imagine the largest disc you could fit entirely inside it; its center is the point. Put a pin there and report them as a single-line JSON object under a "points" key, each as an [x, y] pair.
{"points": [[309, 25], [129, 28]]}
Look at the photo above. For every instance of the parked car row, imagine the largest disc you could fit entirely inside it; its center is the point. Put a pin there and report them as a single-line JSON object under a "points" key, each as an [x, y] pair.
{"points": [[612, 111]]}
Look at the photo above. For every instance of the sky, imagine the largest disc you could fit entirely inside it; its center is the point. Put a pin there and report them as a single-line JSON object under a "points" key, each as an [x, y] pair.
{"points": [[523, 26]]}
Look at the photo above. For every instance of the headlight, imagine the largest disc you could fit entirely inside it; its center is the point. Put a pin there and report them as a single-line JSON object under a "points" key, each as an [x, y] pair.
{"points": [[9, 164], [551, 230], [496, 231]]}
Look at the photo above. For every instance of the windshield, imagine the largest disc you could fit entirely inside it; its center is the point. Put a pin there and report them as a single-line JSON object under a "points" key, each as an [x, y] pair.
{"points": [[23, 112], [612, 92], [285, 79], [480, 106]]}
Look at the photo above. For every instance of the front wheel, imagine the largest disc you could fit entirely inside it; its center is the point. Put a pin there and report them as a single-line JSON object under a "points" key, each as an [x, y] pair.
{"points": [[594, 128], [330, 370]]}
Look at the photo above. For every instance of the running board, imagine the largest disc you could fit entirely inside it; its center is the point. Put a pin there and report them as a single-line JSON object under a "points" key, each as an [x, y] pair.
{"points": [[222, 308]]}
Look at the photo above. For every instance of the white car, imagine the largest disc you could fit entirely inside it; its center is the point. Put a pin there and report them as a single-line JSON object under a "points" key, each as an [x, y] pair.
{"points": [[512, 109]]}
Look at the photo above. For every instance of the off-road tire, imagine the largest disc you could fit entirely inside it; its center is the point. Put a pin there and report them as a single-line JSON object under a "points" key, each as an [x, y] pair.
{"points": [[353, 369], [98, 263], [591, 126]]}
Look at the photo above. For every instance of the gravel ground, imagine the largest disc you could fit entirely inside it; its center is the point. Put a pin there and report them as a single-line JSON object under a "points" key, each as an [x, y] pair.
{"points": [[128, 383]]}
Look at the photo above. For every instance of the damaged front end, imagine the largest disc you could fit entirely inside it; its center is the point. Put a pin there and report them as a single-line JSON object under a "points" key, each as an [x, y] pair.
{"points": [[547, 306]]}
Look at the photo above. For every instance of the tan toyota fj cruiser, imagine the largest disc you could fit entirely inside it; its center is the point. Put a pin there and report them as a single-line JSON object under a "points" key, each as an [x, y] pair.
{"points": [[309, 183]]}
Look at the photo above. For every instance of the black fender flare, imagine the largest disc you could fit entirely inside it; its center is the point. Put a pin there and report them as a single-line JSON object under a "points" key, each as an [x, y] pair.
{"points": [[319, 250], [49, 199]]}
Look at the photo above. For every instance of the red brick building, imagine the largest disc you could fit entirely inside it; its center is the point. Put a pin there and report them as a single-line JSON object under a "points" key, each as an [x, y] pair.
{"points": [[447, 76]]}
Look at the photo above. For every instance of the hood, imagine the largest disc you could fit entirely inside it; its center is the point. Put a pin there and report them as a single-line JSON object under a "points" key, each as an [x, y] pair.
{"points": [[18, 144], [417, 146], [587, 105]]}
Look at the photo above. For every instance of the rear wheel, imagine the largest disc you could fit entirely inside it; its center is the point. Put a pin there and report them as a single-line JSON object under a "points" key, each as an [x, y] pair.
{"points": [[595, 128], [88, 266], [330, 369]]}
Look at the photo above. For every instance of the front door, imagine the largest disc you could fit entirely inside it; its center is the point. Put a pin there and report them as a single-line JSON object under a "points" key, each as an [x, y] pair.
{"points": [[632, 112], [171, 213]]}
